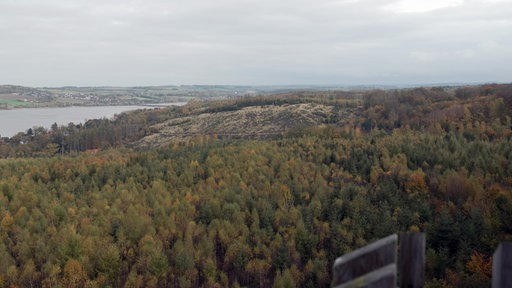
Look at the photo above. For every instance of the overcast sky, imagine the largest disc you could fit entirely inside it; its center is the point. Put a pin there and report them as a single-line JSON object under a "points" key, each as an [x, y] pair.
{"points": [[254, 42]]}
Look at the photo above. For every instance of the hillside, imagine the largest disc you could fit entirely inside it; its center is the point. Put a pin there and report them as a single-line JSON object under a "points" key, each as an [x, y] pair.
{"points": [[255, 122], [250, 117], [253, 118], [12, 97], [259, 191]]}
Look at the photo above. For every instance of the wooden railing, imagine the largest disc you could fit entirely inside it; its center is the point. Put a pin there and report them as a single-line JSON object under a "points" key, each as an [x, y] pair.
{"points": [[385, 264], [502, 266], [374, 264]]}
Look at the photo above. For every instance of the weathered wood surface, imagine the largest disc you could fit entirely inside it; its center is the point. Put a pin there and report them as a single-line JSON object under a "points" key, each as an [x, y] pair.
{"points": [[384, 277], [374, 266], [372, 257], [502, 266], [412, 260]]}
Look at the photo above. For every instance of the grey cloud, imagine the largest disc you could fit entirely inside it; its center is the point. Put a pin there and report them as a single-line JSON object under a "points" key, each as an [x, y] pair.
{"points": [[111, 42]]}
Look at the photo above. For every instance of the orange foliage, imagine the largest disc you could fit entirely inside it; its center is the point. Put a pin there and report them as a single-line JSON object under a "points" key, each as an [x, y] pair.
{"points": [[480, 265], [416, 182]]}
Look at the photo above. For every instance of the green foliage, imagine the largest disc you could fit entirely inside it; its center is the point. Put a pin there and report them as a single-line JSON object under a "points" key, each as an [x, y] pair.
{"points": [[265, 213], [108, 261]]}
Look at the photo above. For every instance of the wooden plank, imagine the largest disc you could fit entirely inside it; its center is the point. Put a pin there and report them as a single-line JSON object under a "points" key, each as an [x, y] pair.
{"points": [[502, 266], [384, 277], [372, 257], [412, 260]]}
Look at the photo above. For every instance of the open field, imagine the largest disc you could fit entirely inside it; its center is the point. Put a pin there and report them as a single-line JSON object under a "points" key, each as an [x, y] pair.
{"points": [[15, 103]]}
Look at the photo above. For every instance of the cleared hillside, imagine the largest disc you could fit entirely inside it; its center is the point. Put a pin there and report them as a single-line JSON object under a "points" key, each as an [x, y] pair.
{"points": [[255, 122]]}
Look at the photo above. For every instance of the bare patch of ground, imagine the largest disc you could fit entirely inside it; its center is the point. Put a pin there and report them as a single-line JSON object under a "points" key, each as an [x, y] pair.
{"points": [[255, 122]]}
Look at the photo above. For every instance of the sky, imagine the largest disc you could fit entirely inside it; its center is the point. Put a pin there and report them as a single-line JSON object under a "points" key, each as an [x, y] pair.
{"points": [[254, 42]]}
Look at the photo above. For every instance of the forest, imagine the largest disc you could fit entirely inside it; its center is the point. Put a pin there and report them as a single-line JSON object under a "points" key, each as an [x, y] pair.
{"points": [[82, 206]]}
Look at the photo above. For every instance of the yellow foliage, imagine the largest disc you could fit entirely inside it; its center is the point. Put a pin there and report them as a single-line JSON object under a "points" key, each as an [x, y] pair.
{"points": [[375, 173], [7, 222], [74, 274], [414, 228]]}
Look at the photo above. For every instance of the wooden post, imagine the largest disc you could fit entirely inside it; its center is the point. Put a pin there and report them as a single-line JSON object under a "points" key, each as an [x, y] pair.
{"points": [[502, 266], [377, 259], [412, 260]]}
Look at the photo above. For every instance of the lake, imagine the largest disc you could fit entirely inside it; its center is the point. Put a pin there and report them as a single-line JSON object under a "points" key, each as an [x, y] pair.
{"points": [[20, 120]]}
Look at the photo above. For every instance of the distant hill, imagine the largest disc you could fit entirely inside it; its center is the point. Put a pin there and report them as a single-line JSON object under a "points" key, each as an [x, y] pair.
{"points": [[264, 117], [9, 89], [12, 96]]}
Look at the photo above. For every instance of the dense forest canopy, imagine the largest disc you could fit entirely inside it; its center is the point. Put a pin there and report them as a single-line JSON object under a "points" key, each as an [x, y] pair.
{"points": [[275, 212]]}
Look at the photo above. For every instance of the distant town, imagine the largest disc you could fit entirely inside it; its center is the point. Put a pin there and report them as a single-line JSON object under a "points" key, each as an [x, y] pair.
{"points": [[12, 96]]}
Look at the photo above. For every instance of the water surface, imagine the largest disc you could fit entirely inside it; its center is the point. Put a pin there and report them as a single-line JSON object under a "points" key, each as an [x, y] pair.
{"points": [[20, 120]]}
